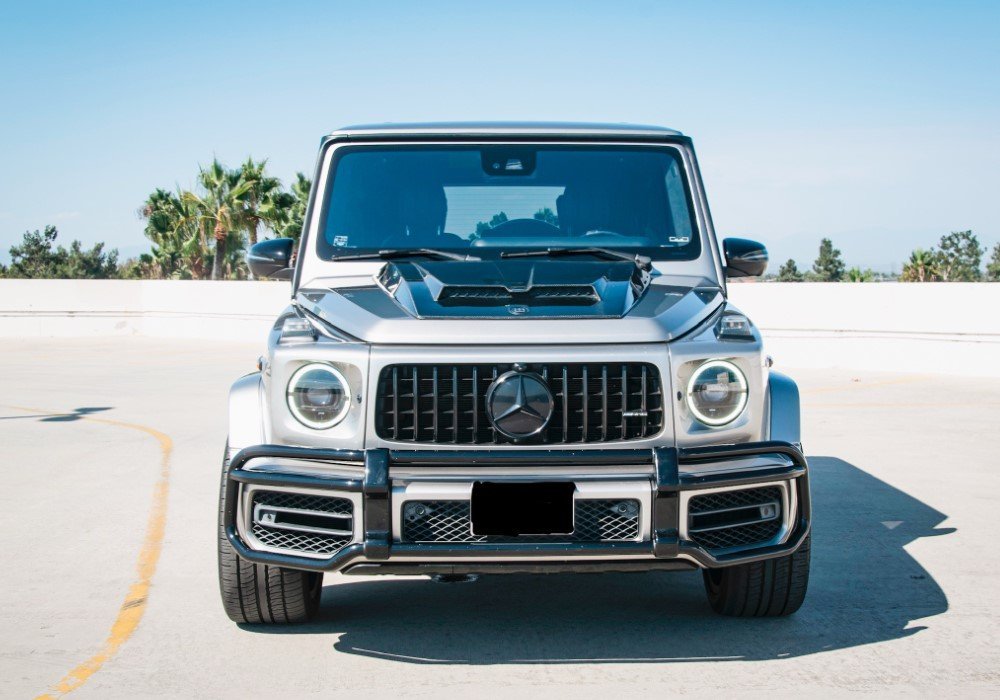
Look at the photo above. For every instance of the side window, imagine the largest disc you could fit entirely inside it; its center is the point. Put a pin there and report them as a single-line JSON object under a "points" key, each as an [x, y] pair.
{"points": [[677, 199]]}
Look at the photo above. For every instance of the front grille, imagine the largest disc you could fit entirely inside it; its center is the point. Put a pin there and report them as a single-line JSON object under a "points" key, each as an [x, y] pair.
{"points": [[447, 403], [712, 509], [297, 540], [450, 521]]}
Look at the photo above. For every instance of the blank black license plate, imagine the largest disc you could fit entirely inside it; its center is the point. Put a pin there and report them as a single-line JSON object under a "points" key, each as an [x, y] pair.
{"points": [[512, 509]]}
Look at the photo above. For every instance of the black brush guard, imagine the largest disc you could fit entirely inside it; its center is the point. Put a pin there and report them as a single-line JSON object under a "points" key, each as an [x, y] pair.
{"points": [[374, 554]]}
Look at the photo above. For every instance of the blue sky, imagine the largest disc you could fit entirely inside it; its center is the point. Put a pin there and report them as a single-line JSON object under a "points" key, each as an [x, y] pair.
{"points": [[875, 124]]}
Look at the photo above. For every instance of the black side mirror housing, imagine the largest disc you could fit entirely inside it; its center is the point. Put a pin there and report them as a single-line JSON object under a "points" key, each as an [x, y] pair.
{"points": [[744, 258], [271, 258]]}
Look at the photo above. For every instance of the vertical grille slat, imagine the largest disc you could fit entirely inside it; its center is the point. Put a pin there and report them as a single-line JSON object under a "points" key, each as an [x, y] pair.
{"points": [[446, 403], [395, 403], [604, 403], [454, 403], [435, 414], [624, 401], [475, 404], [644, 408], [496, 435], [416, 404], [565, 404]]}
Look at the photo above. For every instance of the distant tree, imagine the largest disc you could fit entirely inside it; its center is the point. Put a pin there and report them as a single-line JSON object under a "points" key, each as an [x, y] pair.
{"points": [[484, 227], [38, 257], [958, 257], [856, 274], [789, 272], [993, 266], [547, 215], [921, 267], [34, 257], [829, 266]]}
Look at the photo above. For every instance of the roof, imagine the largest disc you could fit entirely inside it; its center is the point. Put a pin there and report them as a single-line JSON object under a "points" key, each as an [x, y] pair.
{"points": [[505, 129]]}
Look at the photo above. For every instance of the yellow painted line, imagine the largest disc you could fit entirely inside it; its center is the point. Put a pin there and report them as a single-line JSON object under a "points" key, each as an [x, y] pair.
{"points": [[134, 605]]}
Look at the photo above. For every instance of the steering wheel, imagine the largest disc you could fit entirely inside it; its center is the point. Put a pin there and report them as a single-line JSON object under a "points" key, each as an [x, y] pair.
{"points": [[524, 227]]}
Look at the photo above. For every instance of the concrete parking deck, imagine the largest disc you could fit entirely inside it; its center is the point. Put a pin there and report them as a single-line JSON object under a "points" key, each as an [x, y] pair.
{"points": [[111, 452]]}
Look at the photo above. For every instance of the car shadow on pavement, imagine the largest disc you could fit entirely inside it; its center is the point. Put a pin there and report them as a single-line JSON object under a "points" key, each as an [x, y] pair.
{"points": [[74, 415], [864, 588]]}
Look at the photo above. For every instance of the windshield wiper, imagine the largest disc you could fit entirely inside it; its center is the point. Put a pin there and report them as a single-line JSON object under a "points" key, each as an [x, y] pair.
{"points": [[642, 262], [406, 253]]}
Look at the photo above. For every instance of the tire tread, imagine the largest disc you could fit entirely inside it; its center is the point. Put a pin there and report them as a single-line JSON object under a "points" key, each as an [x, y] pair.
{"points": [[260, 594], [771, 588]]}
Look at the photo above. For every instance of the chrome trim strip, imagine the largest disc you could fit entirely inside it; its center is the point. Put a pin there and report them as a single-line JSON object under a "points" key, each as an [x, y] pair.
{"points": [[537, 473], [742, 523], [261, 509]]}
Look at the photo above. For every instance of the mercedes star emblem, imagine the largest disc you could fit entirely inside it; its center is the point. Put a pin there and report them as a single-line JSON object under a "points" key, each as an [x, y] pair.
{"points": [[519, 404]]}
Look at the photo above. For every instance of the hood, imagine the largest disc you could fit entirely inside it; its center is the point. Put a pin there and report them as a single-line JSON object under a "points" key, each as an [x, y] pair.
{"points": [[469, 303], [515, 288]]}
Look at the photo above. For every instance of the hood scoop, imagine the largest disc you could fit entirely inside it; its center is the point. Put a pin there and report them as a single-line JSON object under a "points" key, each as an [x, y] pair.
{"points": [[515, 288], [580, 295]]}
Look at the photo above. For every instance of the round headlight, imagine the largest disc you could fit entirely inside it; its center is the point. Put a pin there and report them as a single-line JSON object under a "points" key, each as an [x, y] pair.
{"points": [[717, 392], [318, 396]]}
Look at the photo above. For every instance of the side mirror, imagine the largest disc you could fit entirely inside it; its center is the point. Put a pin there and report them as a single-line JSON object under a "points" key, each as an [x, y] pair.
{"points": [[271, 258], [744, 258]]}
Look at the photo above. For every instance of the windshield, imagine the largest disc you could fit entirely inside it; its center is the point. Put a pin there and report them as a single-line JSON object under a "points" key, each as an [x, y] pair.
{"points": [[482, 200]]}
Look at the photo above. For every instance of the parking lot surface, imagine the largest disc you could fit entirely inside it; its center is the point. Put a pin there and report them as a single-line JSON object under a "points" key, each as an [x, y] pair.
{"points": [[111, 454]]}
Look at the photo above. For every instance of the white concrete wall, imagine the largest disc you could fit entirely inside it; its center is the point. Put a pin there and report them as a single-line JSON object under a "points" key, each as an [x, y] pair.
{"points": [[922, 328], [928, 328], [156, 308]]}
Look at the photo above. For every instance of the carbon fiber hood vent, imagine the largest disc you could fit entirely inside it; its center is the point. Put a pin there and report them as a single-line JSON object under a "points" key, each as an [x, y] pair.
{"points": [[506, 289]]}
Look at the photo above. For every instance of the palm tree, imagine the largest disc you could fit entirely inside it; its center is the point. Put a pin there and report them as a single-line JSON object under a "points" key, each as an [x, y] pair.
{"points": [[856, 274], [285, 212], [922, 266], [259, 197], [178, 250], [219, 209]]}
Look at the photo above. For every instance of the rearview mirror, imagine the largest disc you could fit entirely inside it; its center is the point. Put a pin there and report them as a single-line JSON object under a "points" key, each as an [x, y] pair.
{"points": [[744, 258], [271, 258]]}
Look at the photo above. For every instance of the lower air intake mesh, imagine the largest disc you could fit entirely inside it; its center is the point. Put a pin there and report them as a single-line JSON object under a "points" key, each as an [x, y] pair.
{"points": [[450, 521], [740, 535], [299, 541]]}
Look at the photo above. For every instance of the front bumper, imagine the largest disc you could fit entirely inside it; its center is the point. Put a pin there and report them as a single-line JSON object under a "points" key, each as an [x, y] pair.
{"points": [[667, 544]]}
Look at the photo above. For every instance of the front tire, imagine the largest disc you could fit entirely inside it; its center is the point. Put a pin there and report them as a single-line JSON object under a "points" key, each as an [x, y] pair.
{"points": [[771, 588], [260, 594]]}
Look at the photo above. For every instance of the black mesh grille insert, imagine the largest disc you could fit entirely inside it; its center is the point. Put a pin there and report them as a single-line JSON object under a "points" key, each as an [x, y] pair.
{"points": [[739, 535], [447, 403], [300, 541], [450, 521]]}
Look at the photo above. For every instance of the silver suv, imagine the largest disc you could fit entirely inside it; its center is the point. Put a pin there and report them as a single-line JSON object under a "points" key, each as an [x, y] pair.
{"points": [[509, 350]]}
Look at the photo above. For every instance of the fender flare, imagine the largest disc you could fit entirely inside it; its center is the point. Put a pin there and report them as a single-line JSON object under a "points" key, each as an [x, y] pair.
{"points": [[247, 413], [784, 413]]}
